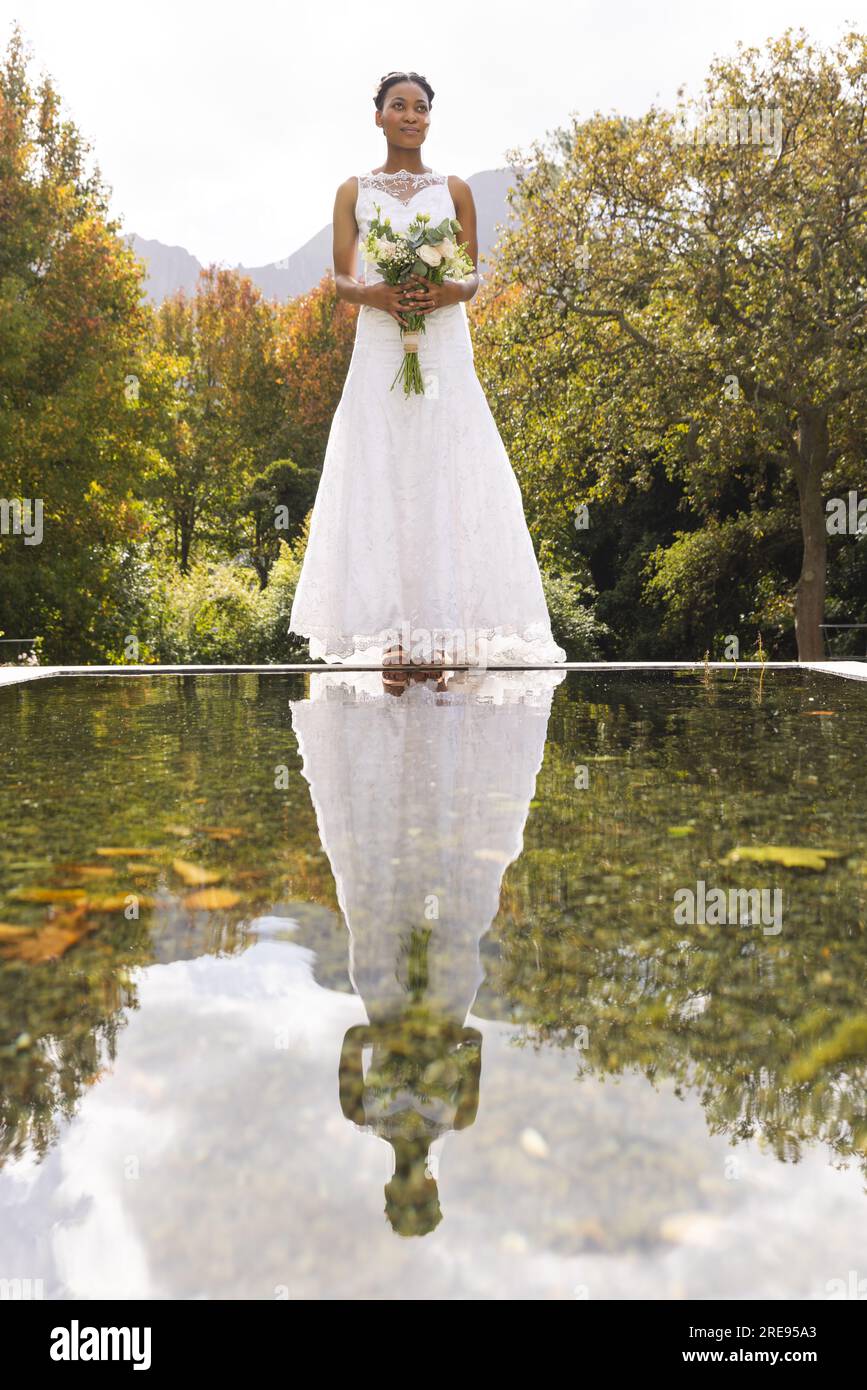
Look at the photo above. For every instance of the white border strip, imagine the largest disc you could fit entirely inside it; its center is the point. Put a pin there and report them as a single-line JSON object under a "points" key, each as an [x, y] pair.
{"points": [[853, 670]]}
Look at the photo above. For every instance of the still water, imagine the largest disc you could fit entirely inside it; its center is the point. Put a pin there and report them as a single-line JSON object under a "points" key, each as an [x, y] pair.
{"points": [[309, 989]]}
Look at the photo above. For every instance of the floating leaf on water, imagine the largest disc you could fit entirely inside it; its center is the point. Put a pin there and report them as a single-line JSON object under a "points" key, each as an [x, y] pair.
{"points": [[47, 944], [183, 832], [221, 832], [127, 853], [681, 830], [51, 941], [818, 711], [86, 870], [49, 895], [8, 932], [790, 856], [138, 867], [193, 875], [210, 899]]}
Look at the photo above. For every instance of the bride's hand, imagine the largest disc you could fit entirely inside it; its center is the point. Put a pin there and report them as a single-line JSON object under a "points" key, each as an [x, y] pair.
{"points": [[422, 296], [381, 295]]}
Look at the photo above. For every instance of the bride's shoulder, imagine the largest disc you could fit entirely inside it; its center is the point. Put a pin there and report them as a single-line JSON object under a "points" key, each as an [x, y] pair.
{"points": [[459, 188], [347, 192]]}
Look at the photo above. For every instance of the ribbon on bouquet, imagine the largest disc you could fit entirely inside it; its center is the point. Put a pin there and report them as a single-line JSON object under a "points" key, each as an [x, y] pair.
{"points": [[411, 341]]}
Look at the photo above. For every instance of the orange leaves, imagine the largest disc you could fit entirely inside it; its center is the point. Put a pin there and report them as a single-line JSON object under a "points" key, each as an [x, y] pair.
{"points": [[124, 853], [193, 875], [210, 899], [49, 895], [39, 944], [75, 911]]}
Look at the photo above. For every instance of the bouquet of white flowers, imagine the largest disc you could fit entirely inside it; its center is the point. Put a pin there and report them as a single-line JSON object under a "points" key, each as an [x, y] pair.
{"points": [[431, 252]]}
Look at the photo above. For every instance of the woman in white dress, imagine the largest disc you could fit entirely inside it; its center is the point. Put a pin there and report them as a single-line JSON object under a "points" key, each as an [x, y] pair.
{"points": [[418, 550]]}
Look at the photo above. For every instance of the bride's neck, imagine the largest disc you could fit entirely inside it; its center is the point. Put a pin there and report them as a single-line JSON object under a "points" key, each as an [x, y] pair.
{"points": [[399, 160]]}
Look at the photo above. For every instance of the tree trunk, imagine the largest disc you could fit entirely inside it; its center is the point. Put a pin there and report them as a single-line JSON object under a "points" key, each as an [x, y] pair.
{"points": [[812, 456], [186, 530]]}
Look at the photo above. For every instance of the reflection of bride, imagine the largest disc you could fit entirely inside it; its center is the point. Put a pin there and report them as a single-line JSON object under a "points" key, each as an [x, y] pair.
{"points": [[421, 803]]}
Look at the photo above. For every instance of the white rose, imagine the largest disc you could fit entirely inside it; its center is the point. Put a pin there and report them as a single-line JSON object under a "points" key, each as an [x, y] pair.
{"points": [[449, 247], [430, 255], [384, 248]]}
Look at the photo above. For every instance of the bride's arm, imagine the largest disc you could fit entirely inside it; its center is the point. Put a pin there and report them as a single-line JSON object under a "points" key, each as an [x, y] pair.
{"points": [[345, 247], [465, 210]]}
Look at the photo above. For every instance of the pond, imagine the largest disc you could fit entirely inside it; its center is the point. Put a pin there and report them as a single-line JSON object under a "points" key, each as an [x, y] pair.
{"points": [[309, 989]]}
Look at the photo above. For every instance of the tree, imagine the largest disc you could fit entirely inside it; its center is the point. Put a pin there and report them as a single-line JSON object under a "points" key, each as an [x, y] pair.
{"points": [[277, 504], [227, 412], [315, 337], [698, 300], [73, 337]]}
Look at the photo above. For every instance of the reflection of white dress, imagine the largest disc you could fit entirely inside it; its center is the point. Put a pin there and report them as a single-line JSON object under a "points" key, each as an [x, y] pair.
{"points": [[418, 524], [421, 802]]}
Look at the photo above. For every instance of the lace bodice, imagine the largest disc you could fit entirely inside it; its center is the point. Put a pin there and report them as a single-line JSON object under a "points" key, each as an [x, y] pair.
{"points": [[401, 196], [402, 184]]}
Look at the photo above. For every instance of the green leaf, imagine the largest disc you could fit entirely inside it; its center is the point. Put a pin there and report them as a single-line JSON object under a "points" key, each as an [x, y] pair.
{"points": [[790, 856]]}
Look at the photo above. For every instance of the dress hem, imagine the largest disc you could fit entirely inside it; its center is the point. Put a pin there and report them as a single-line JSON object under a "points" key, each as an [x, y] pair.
{"points": [[501, 644]]}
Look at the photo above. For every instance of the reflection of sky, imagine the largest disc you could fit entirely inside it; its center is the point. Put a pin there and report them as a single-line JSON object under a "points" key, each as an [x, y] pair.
{"points": [[251, 1179]]}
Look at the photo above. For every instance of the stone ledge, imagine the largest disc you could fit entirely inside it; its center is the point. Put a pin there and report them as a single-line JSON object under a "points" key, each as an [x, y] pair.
{"points": [[11, 675]]}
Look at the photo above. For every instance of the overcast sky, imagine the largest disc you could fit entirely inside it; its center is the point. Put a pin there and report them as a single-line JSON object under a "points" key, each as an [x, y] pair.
{"points": [[226, 128]]}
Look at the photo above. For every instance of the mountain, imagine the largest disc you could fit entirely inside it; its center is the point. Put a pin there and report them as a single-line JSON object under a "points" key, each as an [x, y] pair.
{"points": [[170, 268]]}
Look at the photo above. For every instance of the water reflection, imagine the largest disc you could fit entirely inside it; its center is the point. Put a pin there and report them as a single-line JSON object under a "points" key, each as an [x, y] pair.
{"points": [[485, 949], [420, 811]]}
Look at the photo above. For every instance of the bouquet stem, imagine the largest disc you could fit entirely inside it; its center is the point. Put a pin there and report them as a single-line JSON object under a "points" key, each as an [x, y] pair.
{"points": [[409, 370]]}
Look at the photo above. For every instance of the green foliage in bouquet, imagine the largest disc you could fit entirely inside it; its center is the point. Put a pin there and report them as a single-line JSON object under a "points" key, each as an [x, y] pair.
{"points": [[429, 252]]}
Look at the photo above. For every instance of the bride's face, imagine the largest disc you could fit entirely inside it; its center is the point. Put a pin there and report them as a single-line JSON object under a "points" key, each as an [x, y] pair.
{"points": [[405, 115]]}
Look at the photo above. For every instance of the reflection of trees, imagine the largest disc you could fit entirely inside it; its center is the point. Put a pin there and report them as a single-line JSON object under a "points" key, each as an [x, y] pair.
{"points": [[147, 752], [61, 1021], [770, 1032], [60, 1029]]}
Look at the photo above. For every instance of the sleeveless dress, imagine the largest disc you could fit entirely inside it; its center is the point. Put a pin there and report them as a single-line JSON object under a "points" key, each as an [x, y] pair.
{"points": [[418, 525]]}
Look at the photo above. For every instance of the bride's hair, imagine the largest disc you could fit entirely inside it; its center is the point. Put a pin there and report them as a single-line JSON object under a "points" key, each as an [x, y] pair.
{"points": [[389, 79]]}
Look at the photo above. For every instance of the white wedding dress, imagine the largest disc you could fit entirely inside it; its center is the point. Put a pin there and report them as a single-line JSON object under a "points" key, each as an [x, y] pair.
{"points": [[418, 532]]}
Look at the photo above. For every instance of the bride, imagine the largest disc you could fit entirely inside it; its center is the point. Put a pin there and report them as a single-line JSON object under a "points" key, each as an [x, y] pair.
{"points": [[418, 550]]}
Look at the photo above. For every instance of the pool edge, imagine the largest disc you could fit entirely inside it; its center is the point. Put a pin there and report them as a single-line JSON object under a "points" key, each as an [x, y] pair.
{"points": [[851, 670]]}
